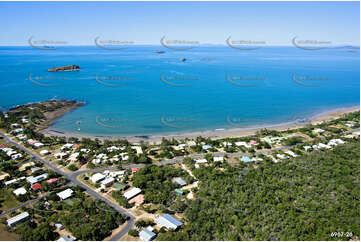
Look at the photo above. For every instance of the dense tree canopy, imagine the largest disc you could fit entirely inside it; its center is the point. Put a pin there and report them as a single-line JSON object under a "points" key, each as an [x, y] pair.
{"points": [[305, 198]]}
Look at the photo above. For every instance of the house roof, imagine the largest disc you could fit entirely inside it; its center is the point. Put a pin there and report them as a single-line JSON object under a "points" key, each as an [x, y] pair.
{"points": [[19, 191], [132, 192], [36, 186], [246, 159], [146, 235], [66, 238], [17, 218], [51, 180], [138, 199], [168, 221], [65, 194], [179, 180], [135, 169], [119, 186], [97, 177]]}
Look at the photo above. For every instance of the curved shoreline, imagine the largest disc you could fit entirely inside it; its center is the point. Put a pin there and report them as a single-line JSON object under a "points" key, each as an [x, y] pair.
{"points": [[214, 133]]}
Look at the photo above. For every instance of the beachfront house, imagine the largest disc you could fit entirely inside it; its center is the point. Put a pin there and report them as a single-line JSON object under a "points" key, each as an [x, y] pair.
{"points": [[168, 221], [242, 143], [146, 235], [17, 219], [66, 146], [138, 149]]}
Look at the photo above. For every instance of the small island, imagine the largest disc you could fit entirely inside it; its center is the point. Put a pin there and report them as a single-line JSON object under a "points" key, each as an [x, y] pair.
{"points": [[65, 68]]}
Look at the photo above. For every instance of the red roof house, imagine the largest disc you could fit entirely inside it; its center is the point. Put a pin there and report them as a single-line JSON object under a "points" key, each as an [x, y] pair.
{"points": [[134, 170], [36, 186], [3, 146], [51, 180]]}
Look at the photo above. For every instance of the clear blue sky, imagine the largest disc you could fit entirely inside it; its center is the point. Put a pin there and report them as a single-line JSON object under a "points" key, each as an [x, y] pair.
{"points": [[277, 23]]}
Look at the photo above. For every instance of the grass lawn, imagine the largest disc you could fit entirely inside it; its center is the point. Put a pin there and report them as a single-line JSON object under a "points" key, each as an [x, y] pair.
{"points": [[7, 236], [7, 199]]}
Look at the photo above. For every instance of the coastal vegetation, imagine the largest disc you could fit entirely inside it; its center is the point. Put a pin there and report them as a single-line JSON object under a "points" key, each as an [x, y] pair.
{"points": [[306, 198]]}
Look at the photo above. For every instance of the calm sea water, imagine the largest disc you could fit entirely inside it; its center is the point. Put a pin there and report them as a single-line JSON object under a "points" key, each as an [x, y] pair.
{"points": [[137, 92]]}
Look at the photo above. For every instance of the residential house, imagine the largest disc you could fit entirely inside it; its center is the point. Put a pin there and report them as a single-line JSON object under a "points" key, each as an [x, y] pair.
{"points": [[132, 193], [146, 235], [17, 219], [65, 194], [168, 221], [20, 191], [97, 177], [179, 180]]}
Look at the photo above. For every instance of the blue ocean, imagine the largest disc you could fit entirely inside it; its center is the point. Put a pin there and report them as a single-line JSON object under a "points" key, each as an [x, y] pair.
{"points": [[139, 91]]}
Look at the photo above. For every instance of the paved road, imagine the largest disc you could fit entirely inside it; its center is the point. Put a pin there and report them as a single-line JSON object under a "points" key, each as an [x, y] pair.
{"points": [[72, 177], [24, 204]]}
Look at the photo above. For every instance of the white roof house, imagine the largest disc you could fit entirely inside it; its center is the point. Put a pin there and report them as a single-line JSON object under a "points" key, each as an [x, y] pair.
{"points": [[73, 157], [65, 194], [107, 182], [16, 156], [138, 149], [319, 131], [60, 155], [242, 143], [168, 221], [31, 180], [66, 146], [66, 238], [84, 150], [291, 153], [17, 219], [44, 152], [38, 145], [218, 158], [132, 193], [20, 191], [307, 147], [11, 182], [281, 156], [321, 145], [201, 161], [96, 161], [113, 148], [146, 235], [41, 177], [97, 177]]}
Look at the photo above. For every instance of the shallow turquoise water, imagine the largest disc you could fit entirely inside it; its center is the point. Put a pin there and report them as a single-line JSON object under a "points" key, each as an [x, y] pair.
{"points": [[138, 92]]}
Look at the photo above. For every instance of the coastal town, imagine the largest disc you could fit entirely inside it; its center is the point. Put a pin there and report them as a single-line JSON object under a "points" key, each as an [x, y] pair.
{"points": [[57, 188]]}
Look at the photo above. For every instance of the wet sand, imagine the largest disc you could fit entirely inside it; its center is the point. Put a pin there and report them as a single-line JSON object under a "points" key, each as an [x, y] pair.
{"points": [[213, 134]]}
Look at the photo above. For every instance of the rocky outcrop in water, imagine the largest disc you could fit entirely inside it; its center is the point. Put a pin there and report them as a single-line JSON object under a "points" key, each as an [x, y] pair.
{"points": [[65, 68]]}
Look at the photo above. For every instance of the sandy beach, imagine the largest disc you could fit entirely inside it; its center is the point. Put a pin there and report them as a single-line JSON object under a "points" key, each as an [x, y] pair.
{"points": [[214, 134]]}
